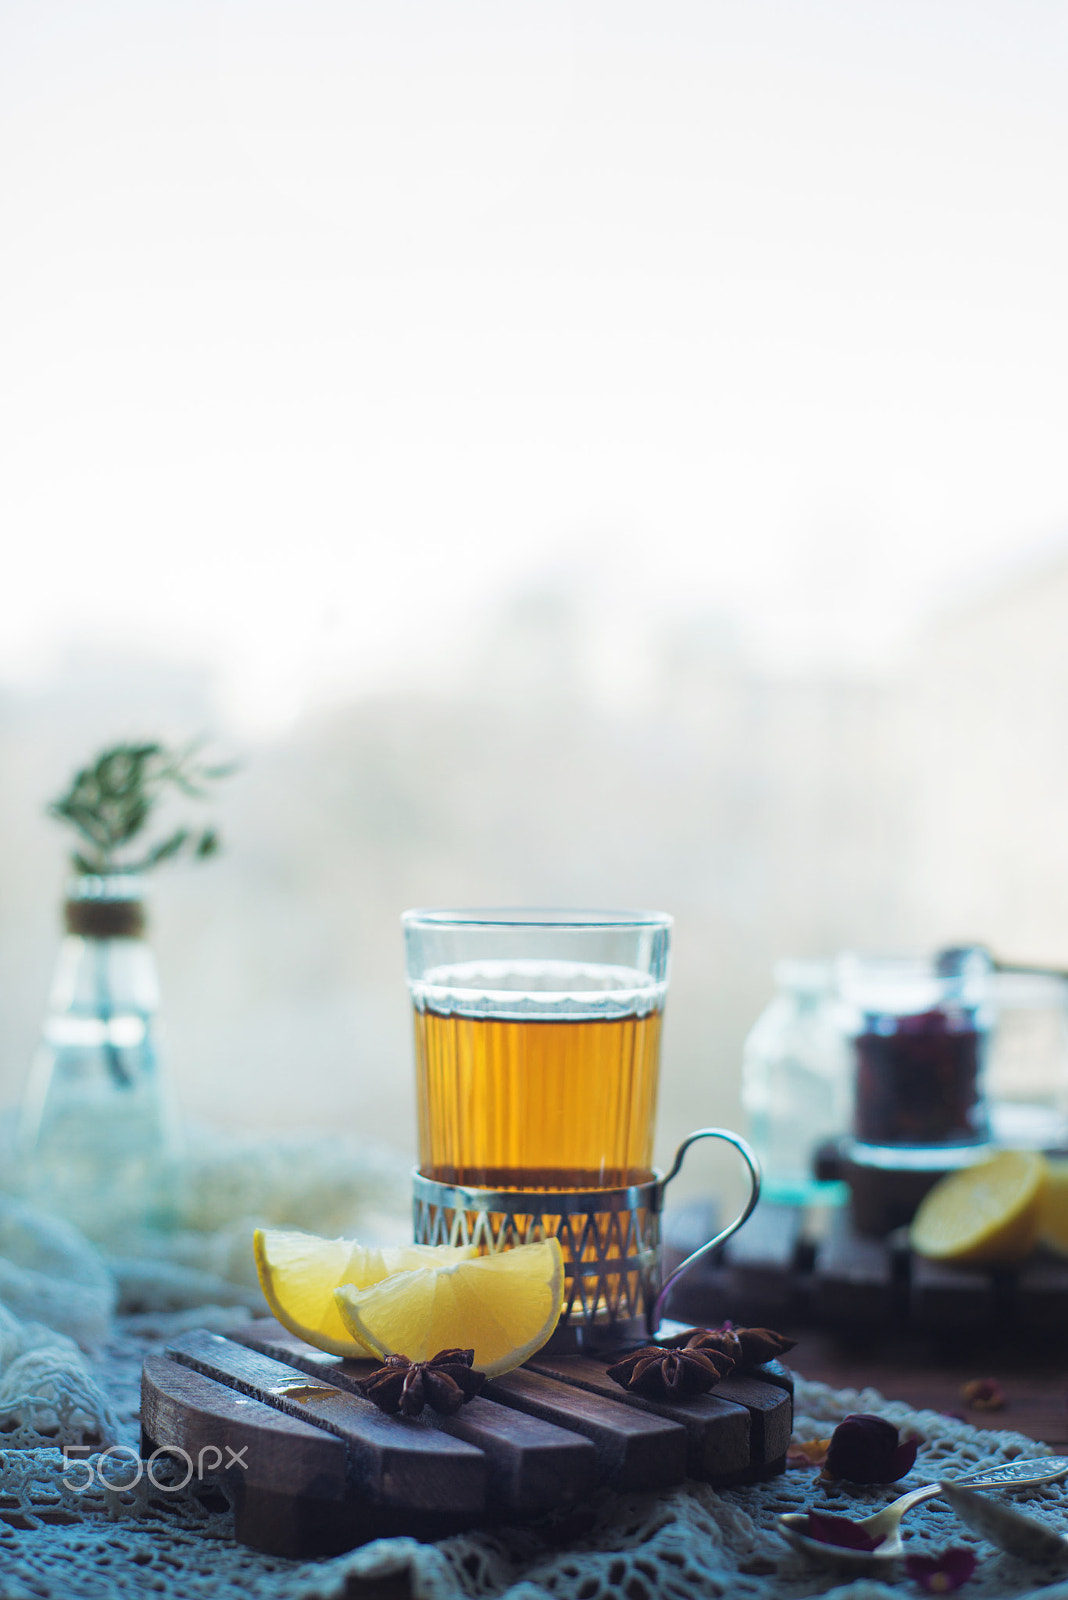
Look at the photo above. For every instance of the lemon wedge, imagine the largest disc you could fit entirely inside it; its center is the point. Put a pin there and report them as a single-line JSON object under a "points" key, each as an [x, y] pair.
{"points": [[1053, 1210], [299, 1272], [504, 1307], [986, 1214]]}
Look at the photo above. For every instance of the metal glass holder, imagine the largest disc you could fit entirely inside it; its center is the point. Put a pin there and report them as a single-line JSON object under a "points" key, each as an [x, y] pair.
{"points": [[613, 1293]]}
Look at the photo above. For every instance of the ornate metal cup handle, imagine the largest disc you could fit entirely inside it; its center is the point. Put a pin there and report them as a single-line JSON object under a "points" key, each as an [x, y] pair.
{"points": [[749, 1157]]}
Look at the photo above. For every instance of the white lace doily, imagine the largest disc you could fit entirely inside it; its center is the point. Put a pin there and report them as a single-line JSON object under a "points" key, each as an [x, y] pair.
{"points": [[76, 1382], [59, 1543], [110, 1544]]}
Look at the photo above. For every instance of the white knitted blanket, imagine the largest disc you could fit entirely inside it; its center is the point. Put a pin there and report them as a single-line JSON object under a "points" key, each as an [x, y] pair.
{"points": [[69, 1375]]}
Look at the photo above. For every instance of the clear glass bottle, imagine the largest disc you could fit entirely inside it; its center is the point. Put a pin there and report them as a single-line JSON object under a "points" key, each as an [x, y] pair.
{"points": [[919, 1028], [1027, 1078], [795, 1083], [97, 1133]]}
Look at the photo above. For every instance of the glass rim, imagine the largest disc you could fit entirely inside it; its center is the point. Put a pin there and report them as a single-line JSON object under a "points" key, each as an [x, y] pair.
{"points": [[532, 917]]}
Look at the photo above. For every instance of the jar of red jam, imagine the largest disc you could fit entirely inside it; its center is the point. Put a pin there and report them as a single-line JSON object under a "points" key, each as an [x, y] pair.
{"points": [[918, 1029]]}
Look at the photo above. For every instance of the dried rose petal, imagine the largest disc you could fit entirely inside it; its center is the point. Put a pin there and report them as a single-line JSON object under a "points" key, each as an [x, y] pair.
{"points": [[839, 1531], [983, 1394], [867, 1449], [905, 1456], [807, 1452], [943, 1573]]}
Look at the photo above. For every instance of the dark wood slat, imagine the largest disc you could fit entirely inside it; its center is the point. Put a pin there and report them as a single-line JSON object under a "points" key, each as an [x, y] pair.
{"points": [[270, 1338], [396, 1461], [181, 1407], [717, 1431], [760, 1261], [1041, 1294], [771, 1415], [853, 1280], [535, 1465], [290, 1484], [775, 1373], [949, 1297], [700, 1296], [635, 1450]]}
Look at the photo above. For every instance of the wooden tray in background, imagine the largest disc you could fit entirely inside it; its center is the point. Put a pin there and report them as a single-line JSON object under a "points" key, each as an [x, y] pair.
{"points": [[772, 1273], [325, 1470]]}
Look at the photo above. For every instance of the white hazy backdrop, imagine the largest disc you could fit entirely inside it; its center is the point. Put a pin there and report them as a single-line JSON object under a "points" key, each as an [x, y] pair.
{"points": [[606, 453]]}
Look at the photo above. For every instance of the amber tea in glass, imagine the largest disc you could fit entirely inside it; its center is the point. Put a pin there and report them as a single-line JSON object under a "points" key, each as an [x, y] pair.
{"points": [[537, 1045]]}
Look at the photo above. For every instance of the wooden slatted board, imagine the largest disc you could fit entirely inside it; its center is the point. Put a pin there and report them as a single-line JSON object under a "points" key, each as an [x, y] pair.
{"points": [[323, 1469], [775, 1273]]}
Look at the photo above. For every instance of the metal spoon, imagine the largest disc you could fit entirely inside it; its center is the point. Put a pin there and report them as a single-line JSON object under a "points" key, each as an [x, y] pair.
{"points": [[885, 1525], [1003, 1525]]}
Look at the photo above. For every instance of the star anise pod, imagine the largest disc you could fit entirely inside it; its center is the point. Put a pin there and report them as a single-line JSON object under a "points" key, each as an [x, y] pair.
{"points": [[445, 1383], [746, 1347], [670, 1374]]}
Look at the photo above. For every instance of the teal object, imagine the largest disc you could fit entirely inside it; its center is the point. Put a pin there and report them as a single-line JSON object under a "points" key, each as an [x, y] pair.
{"points": [[795, 1084]]}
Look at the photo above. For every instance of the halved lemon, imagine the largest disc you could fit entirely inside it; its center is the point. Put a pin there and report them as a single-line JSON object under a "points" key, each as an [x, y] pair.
{"points": [[504, 1307], [986, 1214], [299, 1272], [1053, 1210]]}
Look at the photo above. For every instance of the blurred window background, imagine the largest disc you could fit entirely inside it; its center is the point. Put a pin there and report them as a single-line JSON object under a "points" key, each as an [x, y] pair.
{"points": [[606, 454]]}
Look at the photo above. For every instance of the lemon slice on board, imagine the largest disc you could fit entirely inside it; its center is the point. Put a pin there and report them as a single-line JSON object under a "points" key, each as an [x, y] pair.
{"points": [[504, 1307], [988, 1213], [299, 1272], [1053, 1209]]}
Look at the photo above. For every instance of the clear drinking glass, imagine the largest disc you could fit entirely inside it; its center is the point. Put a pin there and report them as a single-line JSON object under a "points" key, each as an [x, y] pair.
{"points": [[537, 1045]]}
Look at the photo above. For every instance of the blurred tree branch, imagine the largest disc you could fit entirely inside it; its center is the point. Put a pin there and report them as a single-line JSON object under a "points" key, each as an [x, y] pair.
{"points": [[111, 803]]}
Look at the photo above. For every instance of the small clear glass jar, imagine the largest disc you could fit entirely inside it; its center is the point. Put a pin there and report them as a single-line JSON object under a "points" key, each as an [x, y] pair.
{"points": [[918, 1029]]}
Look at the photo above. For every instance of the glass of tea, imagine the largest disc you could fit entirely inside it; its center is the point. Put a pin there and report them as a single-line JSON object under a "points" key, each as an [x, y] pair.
{"points": [[537, 1059], [537, 1045]]}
